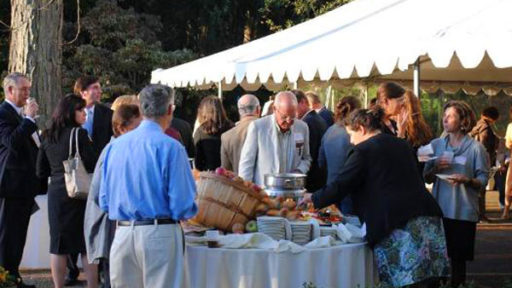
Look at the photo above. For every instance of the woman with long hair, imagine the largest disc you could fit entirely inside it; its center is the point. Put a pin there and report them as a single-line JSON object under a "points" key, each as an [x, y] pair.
{"points": [[214, 122], [66, 215], [336, 144], [410, 122], [401, 216], [463, 164]]}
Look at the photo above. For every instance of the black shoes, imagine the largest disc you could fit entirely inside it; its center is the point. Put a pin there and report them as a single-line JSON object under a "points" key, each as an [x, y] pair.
{"points": [[72, 277]]}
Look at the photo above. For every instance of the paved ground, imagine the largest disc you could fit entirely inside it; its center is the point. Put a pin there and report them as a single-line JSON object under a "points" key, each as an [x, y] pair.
{"points": [[493, 254]]}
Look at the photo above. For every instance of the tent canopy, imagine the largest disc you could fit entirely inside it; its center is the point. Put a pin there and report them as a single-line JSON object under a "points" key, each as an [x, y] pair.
{"points": [[460, 44]]}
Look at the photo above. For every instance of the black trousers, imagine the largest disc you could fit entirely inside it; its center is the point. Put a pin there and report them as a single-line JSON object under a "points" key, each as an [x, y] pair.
{"points": [[14, 219]]}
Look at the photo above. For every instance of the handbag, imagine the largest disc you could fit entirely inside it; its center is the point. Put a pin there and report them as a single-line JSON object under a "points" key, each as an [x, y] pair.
{"points": [[78, 180]]}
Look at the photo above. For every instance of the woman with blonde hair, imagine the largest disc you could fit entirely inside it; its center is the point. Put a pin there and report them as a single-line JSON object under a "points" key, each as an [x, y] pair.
{"points": [[124, 100]]}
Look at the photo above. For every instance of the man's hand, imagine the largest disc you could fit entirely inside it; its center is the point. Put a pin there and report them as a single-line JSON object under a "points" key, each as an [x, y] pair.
{"points": [[31, 109]]}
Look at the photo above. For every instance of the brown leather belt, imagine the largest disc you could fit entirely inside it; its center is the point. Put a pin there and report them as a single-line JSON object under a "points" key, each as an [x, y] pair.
{"points": [[146, 222]]}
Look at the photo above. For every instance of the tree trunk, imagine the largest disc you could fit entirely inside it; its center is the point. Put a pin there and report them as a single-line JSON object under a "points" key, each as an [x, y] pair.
{"points": [[35, 49]]}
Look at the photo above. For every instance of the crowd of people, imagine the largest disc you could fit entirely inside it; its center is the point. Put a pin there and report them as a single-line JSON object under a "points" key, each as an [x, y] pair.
{"points": [[362, 160]]}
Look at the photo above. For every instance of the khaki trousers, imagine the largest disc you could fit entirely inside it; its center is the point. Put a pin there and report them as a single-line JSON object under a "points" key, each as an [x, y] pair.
{"points": [[147, 256]]}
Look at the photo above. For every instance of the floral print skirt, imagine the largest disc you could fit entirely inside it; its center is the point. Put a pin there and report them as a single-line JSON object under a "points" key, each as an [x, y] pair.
{"points": [[412, 254]]}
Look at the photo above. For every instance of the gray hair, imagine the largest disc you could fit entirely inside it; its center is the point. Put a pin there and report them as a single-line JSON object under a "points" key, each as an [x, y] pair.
{"points": [[249, 106], [12, 80], [155, 100], [283, 95]]}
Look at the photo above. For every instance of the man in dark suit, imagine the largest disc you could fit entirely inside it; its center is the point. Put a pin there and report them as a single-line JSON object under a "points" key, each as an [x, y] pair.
{"points": [[316, 104], [19, 184], [99, 117], [316, 177], [99, 127]]}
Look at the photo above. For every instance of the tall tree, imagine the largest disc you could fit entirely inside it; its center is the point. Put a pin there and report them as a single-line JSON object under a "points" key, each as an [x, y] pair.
{"points": [[35, 48]]}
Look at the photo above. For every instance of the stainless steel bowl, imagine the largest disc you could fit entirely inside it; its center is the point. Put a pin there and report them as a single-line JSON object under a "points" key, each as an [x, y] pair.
{"points": [[287, 181], [286, 193]]}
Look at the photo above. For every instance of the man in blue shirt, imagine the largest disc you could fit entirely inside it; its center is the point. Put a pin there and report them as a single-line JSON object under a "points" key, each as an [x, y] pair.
{"points": [[147, 188]]}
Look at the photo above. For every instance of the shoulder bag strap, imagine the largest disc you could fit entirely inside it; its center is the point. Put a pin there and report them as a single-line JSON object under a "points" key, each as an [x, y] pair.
{"points": [[71, 142], [77, 153]]}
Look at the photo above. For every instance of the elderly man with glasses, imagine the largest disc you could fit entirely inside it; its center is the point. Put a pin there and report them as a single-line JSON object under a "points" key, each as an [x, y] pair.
{"points": [[278, 143]]}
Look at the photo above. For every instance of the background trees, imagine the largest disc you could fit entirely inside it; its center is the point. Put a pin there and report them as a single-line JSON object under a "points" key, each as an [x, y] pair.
{"points": [[122, 41]]}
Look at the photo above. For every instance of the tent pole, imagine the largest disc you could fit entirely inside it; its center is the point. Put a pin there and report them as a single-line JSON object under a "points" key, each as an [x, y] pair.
{"points": [[416, 78], [366, 95], [219, 86], [328, 96]]}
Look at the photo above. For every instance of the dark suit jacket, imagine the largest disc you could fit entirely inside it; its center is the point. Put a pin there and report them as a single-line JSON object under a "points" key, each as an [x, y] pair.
{"points": [[316, 177], [327, 115], [387, 190], [186, 135], [101, 127], [18, 154]]}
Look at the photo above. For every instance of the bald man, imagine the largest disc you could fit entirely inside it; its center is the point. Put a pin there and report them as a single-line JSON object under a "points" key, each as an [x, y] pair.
{"points": [[233, 139], [275, 144]]}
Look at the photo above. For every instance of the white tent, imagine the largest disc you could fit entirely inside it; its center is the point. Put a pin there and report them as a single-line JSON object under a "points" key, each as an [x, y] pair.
{"points": [[453, 44]]}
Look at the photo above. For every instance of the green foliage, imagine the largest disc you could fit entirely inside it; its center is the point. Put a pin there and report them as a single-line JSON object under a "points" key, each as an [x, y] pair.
{"points": [[282, 14], [120, 47]]}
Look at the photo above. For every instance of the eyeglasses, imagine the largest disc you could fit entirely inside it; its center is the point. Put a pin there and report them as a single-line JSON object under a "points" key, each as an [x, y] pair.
{"points": [[284, 117]]}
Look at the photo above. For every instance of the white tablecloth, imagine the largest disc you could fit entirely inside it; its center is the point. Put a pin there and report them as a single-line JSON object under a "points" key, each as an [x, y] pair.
{"points": [[36, 253], [349, 265]]}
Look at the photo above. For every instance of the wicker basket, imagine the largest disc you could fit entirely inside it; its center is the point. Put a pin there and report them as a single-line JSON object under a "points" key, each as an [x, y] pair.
{"points": [[223, 202]]}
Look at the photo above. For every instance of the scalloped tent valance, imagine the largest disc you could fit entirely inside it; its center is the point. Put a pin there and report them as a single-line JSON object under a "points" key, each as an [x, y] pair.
{"points": [[460, 44]]}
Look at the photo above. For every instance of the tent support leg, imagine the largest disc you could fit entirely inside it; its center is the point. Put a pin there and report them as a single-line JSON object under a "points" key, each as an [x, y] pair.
{"points": [[416, 78], [328, 96], [366, 95], [219, 92]]}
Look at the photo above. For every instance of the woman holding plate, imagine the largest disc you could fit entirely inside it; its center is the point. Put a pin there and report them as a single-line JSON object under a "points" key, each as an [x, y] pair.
{"points": [[459, 173]]}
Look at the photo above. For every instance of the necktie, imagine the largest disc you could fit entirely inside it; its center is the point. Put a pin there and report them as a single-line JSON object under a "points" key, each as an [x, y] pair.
{"points": [[88, 122]]}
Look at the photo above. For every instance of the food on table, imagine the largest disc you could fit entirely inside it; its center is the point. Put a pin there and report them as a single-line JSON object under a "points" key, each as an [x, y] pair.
{"points": [[238, 228], [251, 226], [273, 212], [289, 203]]}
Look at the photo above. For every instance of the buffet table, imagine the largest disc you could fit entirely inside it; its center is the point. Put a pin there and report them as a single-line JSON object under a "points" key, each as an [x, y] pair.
{"points": [[348, 265]]}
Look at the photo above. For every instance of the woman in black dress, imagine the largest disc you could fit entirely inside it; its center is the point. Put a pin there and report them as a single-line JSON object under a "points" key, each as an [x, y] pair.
{"points": [[214, 122], [66, 215]]}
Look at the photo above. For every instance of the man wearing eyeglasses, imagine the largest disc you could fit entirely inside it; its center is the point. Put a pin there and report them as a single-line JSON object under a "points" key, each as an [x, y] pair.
{"points": [[276, 144]]}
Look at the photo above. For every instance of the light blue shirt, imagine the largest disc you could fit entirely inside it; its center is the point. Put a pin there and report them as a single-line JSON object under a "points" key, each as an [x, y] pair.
{"points": [[89, 120], [460, 201], [146, 175]]}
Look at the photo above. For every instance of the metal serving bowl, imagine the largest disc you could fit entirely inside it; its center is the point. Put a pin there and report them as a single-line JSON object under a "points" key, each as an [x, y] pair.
{"points": [[286, 181], [286, 193]]}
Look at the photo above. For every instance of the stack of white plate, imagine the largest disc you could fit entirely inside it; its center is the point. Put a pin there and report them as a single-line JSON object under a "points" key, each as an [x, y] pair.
{"points": [[272, 226], [328, 231], [301, 232]]}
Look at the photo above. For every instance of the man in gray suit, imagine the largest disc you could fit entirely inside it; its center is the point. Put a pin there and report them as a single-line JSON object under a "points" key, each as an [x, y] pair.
{"points": [[232, 140], [278, 143]]}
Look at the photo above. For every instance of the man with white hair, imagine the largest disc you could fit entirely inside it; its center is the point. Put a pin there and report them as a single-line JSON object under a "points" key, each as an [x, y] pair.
{"points": [[233, 139], [275, 144], [147, 188], [19, 184]]}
